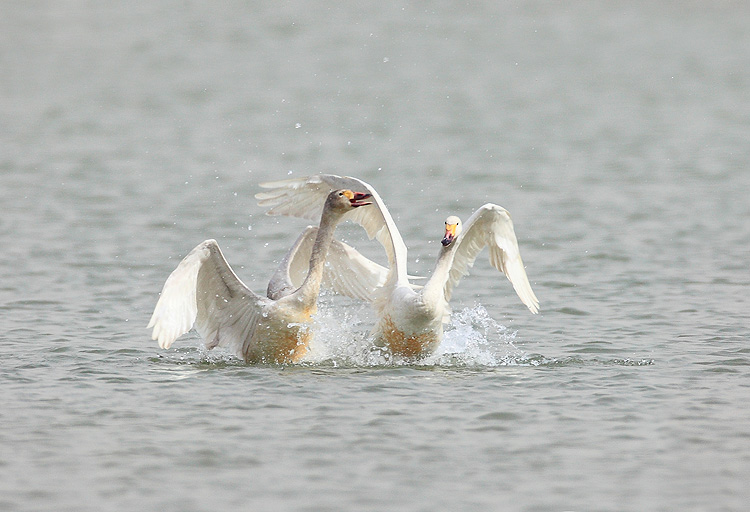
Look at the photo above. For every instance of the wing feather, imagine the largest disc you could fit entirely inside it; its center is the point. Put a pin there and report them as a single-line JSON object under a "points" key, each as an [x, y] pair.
{"points": [[351, 274], [294, 267], [305, 197], [492, 226], [347, 272], [205, 293]]}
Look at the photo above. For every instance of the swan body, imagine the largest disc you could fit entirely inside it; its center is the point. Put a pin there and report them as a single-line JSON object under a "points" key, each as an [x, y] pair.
{"points": [[410, 317], [204, 292]]}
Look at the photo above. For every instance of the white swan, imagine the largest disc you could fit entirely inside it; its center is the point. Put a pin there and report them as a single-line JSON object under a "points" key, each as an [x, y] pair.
{"points": [[204, 291], [410, 317]]}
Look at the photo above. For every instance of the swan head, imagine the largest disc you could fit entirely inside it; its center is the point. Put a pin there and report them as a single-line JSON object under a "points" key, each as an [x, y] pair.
{"points": [[345, 200], [452, 230]]}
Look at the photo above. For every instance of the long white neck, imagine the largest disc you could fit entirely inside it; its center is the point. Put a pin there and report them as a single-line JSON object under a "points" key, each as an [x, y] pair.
{"points": [[308, 292], [433, 292]]}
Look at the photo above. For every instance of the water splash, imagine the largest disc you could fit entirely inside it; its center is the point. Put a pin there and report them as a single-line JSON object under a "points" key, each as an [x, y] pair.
{"points": [[342, 336], [472, 338]]}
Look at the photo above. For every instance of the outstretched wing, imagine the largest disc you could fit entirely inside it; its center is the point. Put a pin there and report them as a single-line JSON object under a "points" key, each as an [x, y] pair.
{"points": [[491, 226], [305, 197], [204, 292], [347, 272]]}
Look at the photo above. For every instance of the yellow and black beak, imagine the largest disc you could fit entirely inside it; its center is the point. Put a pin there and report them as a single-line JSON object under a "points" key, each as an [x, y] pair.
{"points": [[450, 234], [357, 198]]}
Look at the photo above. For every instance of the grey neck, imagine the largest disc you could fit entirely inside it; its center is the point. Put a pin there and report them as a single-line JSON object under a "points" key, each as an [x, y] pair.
{"points": [[311, 286]]}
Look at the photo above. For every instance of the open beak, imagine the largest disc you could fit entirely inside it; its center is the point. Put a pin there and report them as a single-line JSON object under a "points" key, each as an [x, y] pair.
{"points": [[358, 199], [450, 234]]}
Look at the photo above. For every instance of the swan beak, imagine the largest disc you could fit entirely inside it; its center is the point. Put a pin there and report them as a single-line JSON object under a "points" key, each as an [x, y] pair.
{"points": [[357, 198], [450, 234]]}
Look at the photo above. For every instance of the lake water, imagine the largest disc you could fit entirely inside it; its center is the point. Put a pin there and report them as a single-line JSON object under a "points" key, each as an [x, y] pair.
{"points": [[616, 133]]}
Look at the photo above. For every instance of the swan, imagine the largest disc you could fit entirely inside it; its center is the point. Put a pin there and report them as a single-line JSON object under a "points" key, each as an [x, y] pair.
{"points": [[410, 318], [203, 291]]}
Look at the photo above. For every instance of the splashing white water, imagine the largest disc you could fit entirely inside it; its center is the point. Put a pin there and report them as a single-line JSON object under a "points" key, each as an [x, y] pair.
{"points": [[342, 328], [472, 338]]}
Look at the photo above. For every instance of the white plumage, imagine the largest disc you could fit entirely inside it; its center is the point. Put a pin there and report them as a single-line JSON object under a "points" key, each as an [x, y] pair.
{"points": [[410, 317], [203, 291]]}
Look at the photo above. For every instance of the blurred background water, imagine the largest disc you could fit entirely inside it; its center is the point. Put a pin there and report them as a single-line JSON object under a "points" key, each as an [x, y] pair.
{"points": [[616, 133]]}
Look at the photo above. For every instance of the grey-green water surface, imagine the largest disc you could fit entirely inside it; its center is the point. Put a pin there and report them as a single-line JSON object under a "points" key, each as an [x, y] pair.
{"points": [[615, 132]]}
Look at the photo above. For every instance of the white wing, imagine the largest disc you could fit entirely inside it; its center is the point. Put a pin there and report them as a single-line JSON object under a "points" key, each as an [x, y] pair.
{"points": [[347, 272], [304, 197], [203, 290], [294, 267], [491, 226]]}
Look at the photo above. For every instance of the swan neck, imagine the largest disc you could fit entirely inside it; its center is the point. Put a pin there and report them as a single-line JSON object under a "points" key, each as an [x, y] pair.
{"points": [[310, 288], [433, 290]]}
